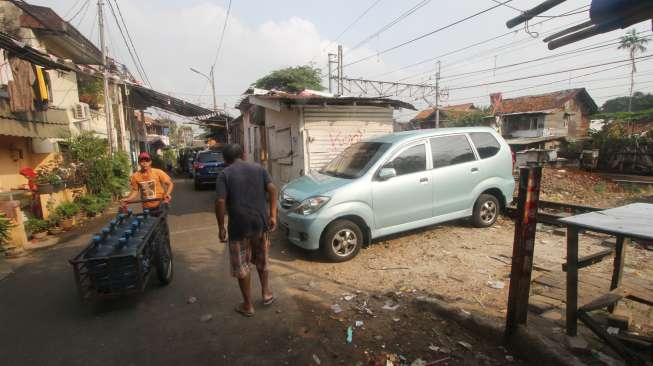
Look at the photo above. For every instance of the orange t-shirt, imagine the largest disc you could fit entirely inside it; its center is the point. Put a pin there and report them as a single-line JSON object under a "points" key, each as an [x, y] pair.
{"points": [[150, 185]]}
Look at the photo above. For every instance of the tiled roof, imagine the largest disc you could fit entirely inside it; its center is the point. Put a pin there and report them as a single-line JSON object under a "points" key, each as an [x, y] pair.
{"points": [[426, 113], [544, 102]]}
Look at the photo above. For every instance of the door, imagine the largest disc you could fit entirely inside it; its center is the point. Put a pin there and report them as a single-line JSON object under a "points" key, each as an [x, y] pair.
{"points": [[408, 196], [455, 174]]}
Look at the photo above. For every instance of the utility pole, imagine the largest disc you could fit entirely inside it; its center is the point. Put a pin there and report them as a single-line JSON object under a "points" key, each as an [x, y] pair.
{"points": [[330, 67], [340, 72], [108, 110], [215, 105], [437, 97]]}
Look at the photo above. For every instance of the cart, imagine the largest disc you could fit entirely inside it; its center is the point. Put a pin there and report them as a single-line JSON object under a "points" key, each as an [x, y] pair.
{"points": [[120, 259]]}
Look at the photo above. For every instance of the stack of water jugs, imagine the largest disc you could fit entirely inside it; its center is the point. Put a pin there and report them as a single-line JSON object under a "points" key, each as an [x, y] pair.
{"points": [[112, 259]]}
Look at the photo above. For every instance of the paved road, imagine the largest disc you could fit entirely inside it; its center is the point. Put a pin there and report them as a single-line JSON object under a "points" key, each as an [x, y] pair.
{"points": [[43, 323]]}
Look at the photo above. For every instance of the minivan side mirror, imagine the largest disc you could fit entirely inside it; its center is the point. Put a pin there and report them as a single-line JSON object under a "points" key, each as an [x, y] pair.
{"points": [[387, 173]]}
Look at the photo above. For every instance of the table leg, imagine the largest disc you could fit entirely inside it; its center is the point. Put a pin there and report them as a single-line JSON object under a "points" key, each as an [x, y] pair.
{"points": [[572, 280], [619, 259]]}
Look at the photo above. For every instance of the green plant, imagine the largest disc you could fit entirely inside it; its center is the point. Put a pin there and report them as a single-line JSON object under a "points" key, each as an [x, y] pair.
{"points": [[5, 228], [600, 187], [91, 204], [34, 225], [54, 219], [292, 79], [67, 210]]}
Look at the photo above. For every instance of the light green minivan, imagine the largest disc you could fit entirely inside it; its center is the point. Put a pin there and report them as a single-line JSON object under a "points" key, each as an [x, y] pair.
{"points": [[398, 182]]}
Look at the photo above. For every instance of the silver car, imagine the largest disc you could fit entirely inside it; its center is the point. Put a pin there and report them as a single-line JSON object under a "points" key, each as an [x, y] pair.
{"points": [[398, 182]]}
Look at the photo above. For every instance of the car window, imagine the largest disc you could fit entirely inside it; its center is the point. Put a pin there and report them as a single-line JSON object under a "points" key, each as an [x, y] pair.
{"points": [[211, 157], [355, 160], [450, 150], [411, 160], [486, 145]]}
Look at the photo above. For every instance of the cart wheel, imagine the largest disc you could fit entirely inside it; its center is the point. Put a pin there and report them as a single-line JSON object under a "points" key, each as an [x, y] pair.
{"points": [[164, 267]]}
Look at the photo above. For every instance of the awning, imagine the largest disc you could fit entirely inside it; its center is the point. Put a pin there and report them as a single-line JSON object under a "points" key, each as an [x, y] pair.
{"points": [[13, 127], [143, 98]]}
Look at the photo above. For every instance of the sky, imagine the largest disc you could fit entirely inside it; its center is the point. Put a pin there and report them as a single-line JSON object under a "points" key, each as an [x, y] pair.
{"points": [[171, 36]]}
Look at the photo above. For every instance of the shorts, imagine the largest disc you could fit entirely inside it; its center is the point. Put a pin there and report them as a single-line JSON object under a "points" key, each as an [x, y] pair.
{"points": [[250, 250]]}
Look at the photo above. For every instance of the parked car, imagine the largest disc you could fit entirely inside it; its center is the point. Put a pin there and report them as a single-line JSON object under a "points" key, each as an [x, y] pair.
{"points": [[398, 182], [206, 167]]}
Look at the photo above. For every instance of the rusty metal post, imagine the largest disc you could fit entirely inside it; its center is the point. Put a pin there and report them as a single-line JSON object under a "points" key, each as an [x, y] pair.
{"points": [[523, 246]]}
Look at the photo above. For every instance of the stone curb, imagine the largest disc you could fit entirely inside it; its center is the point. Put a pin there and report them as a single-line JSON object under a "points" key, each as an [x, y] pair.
{"points": [[526, 344]]}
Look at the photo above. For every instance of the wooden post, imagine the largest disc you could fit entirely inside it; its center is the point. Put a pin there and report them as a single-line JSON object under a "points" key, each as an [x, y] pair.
{"points": [[619, 259], [523, 247], [572, 280]]}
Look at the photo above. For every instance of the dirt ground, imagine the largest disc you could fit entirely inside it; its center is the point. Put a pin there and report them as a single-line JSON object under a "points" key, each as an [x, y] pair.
{"points": [[467, 266]]}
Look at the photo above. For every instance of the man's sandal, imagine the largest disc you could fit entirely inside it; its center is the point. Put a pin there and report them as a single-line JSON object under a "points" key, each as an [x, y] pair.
{"points": [[239, 309], [269, 301]]}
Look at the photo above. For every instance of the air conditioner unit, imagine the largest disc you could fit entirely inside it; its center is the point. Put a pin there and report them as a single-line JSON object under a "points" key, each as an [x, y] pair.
{"points": [[82, 111]]}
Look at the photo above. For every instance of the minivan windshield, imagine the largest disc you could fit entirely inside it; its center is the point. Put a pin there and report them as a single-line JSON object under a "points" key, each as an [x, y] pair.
{"points": [[210, 157], [355, 160]]}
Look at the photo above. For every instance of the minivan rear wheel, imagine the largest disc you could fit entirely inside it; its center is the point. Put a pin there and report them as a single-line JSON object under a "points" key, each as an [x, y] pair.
{"points": [[486, 211], [342, 240]]}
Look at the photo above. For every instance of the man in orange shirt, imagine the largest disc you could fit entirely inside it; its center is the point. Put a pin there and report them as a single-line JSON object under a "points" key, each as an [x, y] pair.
{"points": [[151, 183]]}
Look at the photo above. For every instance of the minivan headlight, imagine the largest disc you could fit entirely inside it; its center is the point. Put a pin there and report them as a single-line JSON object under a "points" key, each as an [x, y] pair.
{"points": [[311, 205]]}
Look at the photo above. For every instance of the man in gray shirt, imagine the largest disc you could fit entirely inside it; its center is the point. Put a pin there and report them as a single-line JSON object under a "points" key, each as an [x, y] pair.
{"points": [[245, 191]]}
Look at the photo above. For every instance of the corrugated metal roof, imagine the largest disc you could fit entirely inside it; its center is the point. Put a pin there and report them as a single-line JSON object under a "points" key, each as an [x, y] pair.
{"points": [[308, 98], [13, 127], [545, 102]]}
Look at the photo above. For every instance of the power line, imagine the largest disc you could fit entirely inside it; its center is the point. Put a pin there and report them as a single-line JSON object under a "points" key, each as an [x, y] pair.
{"points": [[84, 5], [83, 15], [367, 10], [547, 74], [427, 34], [431, 59], [139, 69], [224, 28], [398, 19], [70, 10], [540, 16], [124, 24]]}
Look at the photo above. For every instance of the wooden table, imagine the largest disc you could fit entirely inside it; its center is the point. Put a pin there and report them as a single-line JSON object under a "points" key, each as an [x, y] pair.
{"points": [[634, 221]]}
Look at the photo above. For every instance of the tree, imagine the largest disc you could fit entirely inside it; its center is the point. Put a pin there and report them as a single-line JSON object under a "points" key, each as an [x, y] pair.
{"points": [[633, 43], [292, 79], [638, 102]]}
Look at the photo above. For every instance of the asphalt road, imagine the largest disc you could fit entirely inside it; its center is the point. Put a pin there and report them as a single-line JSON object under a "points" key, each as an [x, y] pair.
{"points": [[42, 321]]}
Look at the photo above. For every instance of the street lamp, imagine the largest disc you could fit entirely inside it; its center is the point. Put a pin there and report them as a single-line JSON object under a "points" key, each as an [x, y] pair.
{"points": [[211, 79]]}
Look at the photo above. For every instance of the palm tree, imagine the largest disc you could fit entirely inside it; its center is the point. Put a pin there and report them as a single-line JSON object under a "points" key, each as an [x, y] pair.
{"points": [[633, 43]]}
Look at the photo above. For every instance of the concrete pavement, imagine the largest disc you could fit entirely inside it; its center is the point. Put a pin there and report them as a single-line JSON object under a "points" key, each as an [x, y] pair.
{"points": [[43, 322]]}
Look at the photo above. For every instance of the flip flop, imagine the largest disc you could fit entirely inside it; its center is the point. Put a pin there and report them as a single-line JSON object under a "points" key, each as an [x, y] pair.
{"points": [[269, 301], [239, 309]]}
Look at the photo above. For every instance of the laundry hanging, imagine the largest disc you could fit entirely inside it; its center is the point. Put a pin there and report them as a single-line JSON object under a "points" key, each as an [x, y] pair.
{"points": [[21, 94], [5, 69], [41, 90]]}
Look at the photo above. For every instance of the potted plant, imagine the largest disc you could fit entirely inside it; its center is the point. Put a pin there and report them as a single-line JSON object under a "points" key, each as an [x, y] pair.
{"points": [[67, 212], [37, 228], [5, 229], [48, 181], [55, 224]]}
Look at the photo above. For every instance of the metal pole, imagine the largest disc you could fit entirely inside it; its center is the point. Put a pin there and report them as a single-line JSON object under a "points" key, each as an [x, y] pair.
{"points": [[330, 58], [107, 99], [215, 105], [437, 97], [340, 87], [226, 124]]}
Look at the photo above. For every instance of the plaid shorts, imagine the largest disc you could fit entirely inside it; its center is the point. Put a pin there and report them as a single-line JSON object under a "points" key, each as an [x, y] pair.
{"points": [[251, 250]]}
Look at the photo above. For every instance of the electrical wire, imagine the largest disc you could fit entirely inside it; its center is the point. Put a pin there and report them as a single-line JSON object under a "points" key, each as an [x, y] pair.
{"points": [[70, 10], [391, 24], [131, 41], [426, 34], [224, 28], [464, 48], [84, 5], [139, 70], [540, 16], [83, 15], [367, 10]]}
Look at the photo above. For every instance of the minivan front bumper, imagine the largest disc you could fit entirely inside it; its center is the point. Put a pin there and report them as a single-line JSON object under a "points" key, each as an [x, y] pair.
{"points": [[302, 230]]}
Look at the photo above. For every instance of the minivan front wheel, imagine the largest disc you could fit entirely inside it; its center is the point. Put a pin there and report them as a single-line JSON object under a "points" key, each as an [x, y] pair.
{"points": [[341, 240], [486, 211]]}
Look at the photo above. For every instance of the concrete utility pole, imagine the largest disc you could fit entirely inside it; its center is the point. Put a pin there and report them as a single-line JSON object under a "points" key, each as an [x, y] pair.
{"points": [[437, 97], [330, 67], [108, 110], [340, 72]]}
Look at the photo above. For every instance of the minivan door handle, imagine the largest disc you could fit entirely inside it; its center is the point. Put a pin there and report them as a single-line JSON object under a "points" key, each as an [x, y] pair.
{"points": [[474, 170], [423, 180]]}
